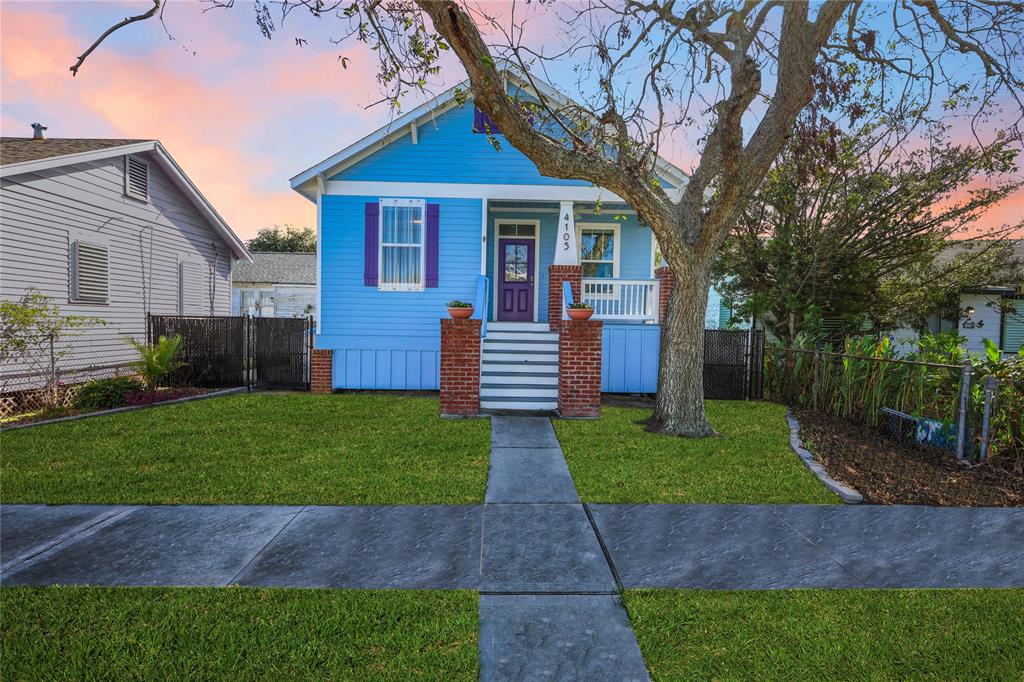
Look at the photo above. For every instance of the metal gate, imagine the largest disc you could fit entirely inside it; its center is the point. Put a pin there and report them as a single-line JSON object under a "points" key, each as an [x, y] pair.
{"points": [[226, 352], [733, 364], [280, 350]]}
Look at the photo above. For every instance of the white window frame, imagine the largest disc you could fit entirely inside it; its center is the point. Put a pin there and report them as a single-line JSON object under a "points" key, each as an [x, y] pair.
{"points": [[604, 227], [381, 285], [95, 243], [127, 184]]}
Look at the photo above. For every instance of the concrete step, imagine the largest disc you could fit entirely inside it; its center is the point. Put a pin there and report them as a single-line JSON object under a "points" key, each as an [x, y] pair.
{"points": [[520, 367], [517, 327], [526, 392], [519, 405], [526, 337], [490, 356], [517, 346], [519, 378]]}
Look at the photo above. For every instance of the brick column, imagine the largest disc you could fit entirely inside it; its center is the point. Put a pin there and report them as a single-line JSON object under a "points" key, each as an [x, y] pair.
{"points": [[556, 275], [665, 279], [320, 378], [460, 367], [579, 368]]}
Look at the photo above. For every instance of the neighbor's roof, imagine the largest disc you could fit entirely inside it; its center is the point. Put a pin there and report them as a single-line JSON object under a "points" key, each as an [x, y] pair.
{"points": [[277, 268], [21, 149], [1009, 280], [303, 183], [20, 155]]}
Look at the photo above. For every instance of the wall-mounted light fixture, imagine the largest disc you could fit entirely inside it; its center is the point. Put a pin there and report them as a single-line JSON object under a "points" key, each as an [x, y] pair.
{"points": [[967, 315]]}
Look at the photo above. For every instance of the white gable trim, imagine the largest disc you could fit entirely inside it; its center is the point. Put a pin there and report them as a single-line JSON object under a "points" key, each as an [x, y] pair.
{"points": [[408, 124], [451, 190], [169, 166]]}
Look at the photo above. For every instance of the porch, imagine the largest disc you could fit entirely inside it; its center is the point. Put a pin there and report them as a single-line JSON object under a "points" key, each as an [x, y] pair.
{"points": [[605, 252]]}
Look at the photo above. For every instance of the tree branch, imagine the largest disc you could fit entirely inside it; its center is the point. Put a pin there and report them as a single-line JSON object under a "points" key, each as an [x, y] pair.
{"points": [[121, 24]]}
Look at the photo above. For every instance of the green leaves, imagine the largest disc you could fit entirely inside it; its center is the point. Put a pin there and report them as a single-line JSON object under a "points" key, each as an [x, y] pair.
{"points": [[157, 361]]}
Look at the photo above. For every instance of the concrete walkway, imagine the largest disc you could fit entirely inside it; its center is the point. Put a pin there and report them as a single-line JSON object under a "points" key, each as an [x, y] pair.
{"points": [[548, 568]]}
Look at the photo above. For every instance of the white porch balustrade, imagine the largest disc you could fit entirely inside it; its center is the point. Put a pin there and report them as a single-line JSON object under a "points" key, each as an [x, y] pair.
{"points": [[622, 299]]}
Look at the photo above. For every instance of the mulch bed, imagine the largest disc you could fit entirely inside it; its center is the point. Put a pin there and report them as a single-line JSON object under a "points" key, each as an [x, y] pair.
{"points": [[889, 472], [132, 399]]}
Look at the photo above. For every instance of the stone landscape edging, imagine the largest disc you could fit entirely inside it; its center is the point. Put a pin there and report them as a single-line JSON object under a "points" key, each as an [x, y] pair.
{"points": [[117, 410], [845, 492]]}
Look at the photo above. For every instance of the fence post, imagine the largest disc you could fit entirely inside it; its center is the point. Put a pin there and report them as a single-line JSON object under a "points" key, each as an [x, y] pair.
{"points": [[961, 431], [991, 383]]}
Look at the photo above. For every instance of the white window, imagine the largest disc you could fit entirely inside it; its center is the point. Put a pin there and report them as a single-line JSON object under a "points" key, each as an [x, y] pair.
{"points": [[599, 252], [136, 177], [90, 272], [402, 235]]}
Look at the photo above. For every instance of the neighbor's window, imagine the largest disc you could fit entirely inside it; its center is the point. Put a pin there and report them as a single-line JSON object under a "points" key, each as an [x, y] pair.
{"points": [[90, 274], [598, 253], [402, 233]]}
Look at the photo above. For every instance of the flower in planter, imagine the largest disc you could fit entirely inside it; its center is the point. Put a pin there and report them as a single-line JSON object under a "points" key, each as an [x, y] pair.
{"points": [[460, 310], [459, 304], [580, 305]]}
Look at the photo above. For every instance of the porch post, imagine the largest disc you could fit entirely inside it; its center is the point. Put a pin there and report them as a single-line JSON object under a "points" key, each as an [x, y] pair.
{"points": [[565, 267], [579, 369], [460, 367], [665, 279]]}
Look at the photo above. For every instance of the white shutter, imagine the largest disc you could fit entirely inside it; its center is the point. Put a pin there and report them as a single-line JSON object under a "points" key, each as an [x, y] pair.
{"points": [[193, 288], [136, 177], [90, 273]]}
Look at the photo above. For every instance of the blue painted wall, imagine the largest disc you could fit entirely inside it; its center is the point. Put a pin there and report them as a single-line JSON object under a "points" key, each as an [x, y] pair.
{"points": [[629, 358], [391, 339]]}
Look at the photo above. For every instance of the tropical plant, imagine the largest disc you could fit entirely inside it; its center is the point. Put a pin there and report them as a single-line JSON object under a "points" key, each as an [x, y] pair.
{"points": [[156, 361], [102, 394]]}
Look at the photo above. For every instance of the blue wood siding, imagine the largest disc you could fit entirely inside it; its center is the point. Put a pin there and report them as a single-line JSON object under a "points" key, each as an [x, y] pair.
{"points": [[629, 358], [390, 339]]}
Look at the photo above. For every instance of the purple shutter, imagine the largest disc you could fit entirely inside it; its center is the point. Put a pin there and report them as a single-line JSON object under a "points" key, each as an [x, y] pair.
{"points": [[372, 223], [482, 123], [433, 242]]}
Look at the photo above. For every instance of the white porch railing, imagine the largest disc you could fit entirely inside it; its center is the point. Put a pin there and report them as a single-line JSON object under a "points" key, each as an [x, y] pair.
{"points": [[622, 299]]}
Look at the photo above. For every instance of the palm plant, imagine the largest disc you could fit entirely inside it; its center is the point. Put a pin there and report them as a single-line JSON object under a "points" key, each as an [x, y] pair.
{"points": [[156, 361]]}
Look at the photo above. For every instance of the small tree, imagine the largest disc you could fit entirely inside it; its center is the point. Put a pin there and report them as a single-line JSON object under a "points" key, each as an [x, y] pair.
{"points": [[848, 226], [286, 240], [31, 331]]}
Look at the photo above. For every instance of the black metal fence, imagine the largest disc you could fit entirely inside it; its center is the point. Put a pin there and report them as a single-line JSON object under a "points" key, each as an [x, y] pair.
{"points": [[224, 352], [733, 364]]}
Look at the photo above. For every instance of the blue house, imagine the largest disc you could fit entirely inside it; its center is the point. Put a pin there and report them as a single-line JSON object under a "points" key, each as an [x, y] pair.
{"points": [[427, 210]]}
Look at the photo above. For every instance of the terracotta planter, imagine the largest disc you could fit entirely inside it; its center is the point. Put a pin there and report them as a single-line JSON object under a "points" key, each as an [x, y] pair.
{"points": [[461, 313], [580, 313]]}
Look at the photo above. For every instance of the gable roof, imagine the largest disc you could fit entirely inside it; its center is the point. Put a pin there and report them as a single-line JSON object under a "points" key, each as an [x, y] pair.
{"points": [[20, 155], [277, 268], [305, 182]]}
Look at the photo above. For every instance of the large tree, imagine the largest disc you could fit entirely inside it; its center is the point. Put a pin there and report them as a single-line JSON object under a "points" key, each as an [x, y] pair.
{"points": [[289, 239], [848, 226], [739, 71]]}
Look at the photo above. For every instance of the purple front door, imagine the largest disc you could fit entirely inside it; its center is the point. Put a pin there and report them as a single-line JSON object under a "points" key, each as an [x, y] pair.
{"points": [[515, 279]]}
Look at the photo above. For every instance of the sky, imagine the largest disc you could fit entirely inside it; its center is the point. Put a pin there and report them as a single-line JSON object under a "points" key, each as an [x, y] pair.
{"points": [[241, 114]]}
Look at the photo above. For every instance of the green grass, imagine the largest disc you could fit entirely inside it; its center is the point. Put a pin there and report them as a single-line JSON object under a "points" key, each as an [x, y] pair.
{"points": [[831, 634], [613, 459], [261, 448], [77, 633]]}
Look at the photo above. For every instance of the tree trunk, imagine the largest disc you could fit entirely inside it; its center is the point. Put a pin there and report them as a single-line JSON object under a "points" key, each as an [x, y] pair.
{"points": [[679, 406]]}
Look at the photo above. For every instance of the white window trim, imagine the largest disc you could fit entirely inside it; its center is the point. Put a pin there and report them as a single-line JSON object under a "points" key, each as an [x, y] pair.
{"points": [[75, 240], [381, 285], [127, 185], [606, 227], [536, 263]]}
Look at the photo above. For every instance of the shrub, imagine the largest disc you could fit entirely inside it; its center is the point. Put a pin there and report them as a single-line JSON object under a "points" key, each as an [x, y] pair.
{"points": [[459, 304], [103, 394], [157, 361]]}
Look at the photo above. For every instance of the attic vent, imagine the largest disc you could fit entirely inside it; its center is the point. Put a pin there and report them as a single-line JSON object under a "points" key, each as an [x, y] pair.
{"points": [[136, 177], [91, 278]]}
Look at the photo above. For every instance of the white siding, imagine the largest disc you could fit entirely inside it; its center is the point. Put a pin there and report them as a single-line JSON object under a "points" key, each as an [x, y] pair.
{"points": [[42, 213]]}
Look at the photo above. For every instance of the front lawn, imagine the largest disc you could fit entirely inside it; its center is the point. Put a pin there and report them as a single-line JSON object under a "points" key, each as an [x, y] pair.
{"points": [[830, 634], [76, 633], [260, 448], [614, 460]]}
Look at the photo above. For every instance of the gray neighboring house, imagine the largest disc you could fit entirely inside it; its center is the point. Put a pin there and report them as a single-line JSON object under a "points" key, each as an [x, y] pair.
{"points": [[275, 285], [109, 229]]}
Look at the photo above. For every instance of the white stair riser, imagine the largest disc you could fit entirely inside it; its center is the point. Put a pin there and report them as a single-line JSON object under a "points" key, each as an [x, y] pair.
{"points": [[530, 393], [518, 336], [518, 326], [532, 406], [519, 357], [515, 346], [546, 380], [518, 368]]}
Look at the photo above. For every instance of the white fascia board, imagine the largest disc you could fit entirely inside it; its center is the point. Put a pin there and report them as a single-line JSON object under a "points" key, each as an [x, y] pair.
{"points": [[444, 190], [399, 127], [69, 159], [188, 188]]}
